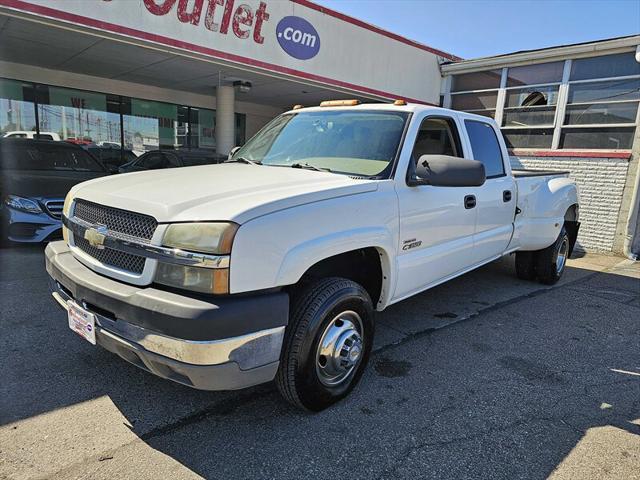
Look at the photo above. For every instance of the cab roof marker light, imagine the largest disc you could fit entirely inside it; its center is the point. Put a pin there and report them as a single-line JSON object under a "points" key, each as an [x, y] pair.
{"points": [[400, 103], [297, 107], [340, 103]]}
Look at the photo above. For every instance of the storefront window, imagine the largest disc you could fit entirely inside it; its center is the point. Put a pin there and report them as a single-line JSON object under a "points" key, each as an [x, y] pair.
{"points": [[476, 81], [149, 125], [79, 116], [203, 123], [535, 74], [241, 129], [17, 110], [596, 107], [474, 101], [111, 127], [606, 66], [531, 106]]}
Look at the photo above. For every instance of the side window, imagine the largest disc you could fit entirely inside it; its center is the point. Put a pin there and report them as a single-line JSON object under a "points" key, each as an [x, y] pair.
{"points": [[485, 146], [170, 160], [152, 161], [437, 136]]}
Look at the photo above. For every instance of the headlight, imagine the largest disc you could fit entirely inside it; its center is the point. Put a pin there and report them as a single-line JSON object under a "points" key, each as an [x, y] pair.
{"points": [[67, 205], [214, 238], [23, 204]]}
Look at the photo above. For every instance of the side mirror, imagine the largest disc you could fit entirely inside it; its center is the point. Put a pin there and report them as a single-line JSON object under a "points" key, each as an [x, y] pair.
{"points": [[446, 171], [233, 152]]}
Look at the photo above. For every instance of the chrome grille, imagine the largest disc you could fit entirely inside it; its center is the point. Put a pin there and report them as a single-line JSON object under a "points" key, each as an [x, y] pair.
{"points": [[116, 220], [54, 207], [113, 258], [120, 223]]}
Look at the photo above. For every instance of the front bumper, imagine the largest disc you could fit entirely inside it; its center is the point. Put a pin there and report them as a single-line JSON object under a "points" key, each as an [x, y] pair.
{"points": [[26, 227], [230, 344]]}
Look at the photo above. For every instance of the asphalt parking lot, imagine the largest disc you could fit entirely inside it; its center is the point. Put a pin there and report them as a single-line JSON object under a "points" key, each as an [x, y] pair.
{"points": [[484, 377]]}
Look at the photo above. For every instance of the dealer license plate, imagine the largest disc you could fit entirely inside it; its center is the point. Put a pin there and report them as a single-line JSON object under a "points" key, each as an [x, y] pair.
{"points": [[82, 322]]}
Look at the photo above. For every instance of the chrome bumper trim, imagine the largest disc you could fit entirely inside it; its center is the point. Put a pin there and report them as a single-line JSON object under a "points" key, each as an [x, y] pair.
{"points": [[140, 247], [248, 351]]}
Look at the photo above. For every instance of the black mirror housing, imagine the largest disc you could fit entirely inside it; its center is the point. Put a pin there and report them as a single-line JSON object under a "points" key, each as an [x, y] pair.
{"points": [[446, 171]]}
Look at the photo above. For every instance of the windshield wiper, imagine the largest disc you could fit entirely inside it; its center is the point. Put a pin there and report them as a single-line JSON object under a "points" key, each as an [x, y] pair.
{"points": [[308, 166], [242, 160]]}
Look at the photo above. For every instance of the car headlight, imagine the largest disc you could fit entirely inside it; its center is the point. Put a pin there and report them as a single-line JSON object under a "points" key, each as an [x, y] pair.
{"points": [[67, 205], [22, 204], [213, 238]]}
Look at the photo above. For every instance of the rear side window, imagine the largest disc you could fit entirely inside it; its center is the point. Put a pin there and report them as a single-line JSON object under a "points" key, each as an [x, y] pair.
{"points": [[485, 147]]}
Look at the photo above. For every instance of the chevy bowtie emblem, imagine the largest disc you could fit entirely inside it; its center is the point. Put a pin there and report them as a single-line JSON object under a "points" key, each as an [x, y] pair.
{"points": [[95, 236]]}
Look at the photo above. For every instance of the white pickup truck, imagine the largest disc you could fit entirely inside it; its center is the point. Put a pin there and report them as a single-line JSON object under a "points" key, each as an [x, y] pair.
{"points": [[271, 265]]}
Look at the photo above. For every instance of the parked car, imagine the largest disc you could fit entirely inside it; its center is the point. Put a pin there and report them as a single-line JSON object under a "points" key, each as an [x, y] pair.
{"points": [[29, 134], [36, 176], [78, 140], [271, 265], [158, 159], [112, 158]]}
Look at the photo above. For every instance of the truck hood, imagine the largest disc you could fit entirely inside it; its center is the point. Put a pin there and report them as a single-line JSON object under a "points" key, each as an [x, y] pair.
{"points": [[228, 191]]}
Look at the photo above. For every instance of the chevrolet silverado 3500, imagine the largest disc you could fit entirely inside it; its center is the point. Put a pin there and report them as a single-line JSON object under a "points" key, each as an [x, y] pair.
{"points": [[271, 265]]}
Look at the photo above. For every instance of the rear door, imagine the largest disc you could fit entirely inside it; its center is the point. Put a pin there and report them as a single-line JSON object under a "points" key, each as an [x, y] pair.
{"points": [[496, 199], [436, 229]]}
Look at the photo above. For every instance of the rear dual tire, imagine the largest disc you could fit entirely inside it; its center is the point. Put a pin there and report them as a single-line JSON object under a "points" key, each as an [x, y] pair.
{"points": [[546, 265]]}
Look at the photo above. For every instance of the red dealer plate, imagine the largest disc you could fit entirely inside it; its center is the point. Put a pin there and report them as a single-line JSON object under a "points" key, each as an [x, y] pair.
{"points": [[82, 322]]}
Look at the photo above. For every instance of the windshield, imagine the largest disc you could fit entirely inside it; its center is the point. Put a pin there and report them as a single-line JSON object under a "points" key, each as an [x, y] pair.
{"points": [[363, 142], [47, 157]]}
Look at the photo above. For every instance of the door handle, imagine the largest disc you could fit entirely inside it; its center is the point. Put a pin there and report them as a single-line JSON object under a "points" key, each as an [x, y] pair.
{"points": [[506, 196], [469, 201]]}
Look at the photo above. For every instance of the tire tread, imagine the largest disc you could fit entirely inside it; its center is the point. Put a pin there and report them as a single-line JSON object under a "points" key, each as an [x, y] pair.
{"points": [[304, 305]]}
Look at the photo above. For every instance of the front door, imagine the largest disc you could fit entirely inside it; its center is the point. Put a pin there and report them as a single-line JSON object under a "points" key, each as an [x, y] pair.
{"points": [[436, 228]]}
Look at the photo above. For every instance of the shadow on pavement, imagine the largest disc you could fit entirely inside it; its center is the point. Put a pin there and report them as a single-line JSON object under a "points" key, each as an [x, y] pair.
{"points": [[507, 393]]}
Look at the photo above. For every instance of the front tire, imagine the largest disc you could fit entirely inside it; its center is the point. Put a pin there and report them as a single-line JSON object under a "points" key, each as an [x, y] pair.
{"points": [[327, 344]]}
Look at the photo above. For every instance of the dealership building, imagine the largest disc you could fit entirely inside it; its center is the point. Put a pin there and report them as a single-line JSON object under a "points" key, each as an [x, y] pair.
{"points": [[150, 74]]}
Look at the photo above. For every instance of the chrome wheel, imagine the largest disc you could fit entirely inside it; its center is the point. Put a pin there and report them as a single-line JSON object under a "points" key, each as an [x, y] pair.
{"points": [[340, 349], [563, 253]]}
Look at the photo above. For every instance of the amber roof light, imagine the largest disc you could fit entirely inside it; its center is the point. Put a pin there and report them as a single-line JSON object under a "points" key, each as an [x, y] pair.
{"points": [[400, 103], [340, 103]]}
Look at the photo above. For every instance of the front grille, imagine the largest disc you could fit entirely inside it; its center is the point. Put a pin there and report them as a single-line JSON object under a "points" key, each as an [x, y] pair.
{"points": [[117, 221], [113, 258], [54, 207]]}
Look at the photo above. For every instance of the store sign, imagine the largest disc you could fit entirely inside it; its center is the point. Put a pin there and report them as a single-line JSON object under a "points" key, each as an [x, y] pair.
{"points": [[298, 37], [294, 39], [218, 16]]}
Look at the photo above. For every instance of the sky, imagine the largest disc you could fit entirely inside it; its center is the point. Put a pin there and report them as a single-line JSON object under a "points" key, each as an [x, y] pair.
{"points": [[478, 28]]}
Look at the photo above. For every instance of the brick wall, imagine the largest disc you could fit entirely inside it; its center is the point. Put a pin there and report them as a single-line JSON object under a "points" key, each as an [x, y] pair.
{"points": [[601, 182]]}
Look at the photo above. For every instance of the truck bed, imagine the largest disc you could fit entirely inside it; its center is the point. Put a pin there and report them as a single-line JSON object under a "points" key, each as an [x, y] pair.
{"points": [[537, 173]]}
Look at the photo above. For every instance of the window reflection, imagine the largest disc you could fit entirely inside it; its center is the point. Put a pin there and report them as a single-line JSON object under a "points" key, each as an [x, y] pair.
{"points": [[17, 111]]}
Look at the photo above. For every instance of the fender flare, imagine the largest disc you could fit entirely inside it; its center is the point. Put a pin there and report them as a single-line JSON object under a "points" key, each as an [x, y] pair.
{"points": [[299, 259]]}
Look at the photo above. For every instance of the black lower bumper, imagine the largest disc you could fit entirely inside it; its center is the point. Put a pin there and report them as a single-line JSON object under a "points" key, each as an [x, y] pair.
{"points": [[167, 313]]}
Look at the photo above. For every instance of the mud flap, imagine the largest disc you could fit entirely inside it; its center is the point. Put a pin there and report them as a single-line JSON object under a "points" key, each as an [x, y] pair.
{"points": [[572, 230]]}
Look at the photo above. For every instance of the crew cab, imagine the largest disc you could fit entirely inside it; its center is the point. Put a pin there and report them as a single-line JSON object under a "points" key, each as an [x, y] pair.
{"points": [[272, 264]]}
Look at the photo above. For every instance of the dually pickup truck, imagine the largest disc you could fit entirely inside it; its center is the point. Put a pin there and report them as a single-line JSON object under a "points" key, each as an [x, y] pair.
{"points": [[272, 264]]}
